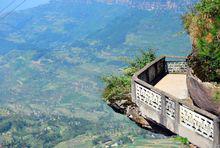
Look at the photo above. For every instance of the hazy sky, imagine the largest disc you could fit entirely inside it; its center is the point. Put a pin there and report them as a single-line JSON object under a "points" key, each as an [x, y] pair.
{"points": [[11, 4]]}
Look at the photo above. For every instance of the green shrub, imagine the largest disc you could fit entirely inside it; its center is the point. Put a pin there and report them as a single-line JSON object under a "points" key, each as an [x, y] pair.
{"points": [[144, 58], [119, 87], [210, 7], [183, 140], [217, 96]]}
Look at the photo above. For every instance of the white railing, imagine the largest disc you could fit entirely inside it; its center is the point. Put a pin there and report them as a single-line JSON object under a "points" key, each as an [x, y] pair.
{"points": [[196, 122], [177, 66], [188, 118], [148, 97], [166, 106]]}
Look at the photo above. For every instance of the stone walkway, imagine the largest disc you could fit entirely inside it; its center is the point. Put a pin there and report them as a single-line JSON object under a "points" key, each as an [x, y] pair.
{"points": [[174, 84]]}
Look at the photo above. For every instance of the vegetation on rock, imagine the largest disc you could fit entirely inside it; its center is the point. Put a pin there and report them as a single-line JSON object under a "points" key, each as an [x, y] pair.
{"points": [[119, 87], [203, 25], [217, 96]]}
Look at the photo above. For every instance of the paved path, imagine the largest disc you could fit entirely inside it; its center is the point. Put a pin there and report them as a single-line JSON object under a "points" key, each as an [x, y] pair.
{"points": [[174, 84]]}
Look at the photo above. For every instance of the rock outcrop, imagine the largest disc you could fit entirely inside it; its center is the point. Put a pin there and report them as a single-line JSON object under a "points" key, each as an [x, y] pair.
{"points": [[132, 111], [202, 94]]}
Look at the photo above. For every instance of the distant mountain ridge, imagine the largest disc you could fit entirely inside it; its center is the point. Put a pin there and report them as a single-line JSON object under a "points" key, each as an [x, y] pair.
{"points": [[177, 5]]}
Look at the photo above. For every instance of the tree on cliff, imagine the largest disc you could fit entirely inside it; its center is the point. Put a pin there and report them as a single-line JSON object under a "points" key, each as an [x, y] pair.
{"points": [[203, 26]]}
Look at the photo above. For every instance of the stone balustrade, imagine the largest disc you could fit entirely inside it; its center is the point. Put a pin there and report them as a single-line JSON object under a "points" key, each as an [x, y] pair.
{"points": [[199, 126]]}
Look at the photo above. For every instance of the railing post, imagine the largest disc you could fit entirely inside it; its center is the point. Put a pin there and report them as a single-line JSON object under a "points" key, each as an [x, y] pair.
{"points": [[177, 117], [165, 66], [133, 90], [163, 117], [216, 142]]}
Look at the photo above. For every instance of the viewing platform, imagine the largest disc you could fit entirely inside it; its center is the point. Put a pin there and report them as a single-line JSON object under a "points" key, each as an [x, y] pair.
{"points": [[174, 84], [160, 91]]}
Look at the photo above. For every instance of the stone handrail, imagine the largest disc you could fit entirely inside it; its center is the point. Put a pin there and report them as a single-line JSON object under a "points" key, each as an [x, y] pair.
{"points": [[177, 115]]}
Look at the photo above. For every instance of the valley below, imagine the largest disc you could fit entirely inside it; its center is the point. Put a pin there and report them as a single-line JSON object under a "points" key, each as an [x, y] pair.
{"points": [[53, 58]]}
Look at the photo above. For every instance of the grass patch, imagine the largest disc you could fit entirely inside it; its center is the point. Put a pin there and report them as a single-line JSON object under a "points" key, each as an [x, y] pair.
{"points": [[217, 97], [183, 140]]}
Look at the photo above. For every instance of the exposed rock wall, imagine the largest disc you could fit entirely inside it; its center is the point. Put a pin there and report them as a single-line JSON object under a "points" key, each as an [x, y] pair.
{"points": [[202, 94]]}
